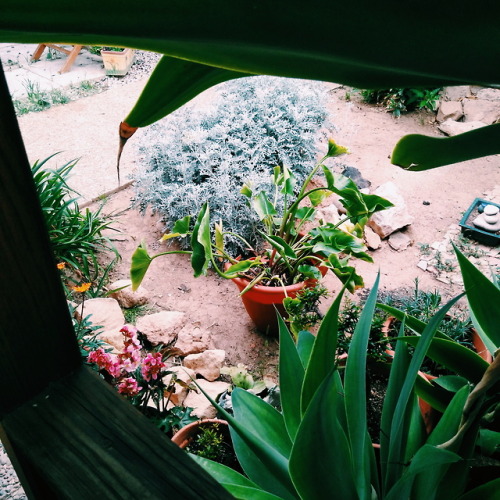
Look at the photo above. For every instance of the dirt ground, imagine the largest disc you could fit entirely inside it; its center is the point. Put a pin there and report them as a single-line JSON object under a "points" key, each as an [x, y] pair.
{"points": [[370, 133]]}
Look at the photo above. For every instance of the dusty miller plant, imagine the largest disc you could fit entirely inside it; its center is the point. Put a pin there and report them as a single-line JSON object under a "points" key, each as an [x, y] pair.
{"points": [[207, 153]]}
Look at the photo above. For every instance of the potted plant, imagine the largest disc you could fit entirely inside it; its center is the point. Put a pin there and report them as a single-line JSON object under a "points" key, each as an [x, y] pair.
{"points": [[117, 60], [290, 259], [280, 458]]}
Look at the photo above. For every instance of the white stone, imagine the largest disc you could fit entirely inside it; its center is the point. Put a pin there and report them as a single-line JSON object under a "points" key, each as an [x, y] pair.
{"points": [[449, 110], [180, 390], [207, 364], [202, 406], [399, 241], [126, 297], [108, 314], [192, 340], [388, 221], [456, 93], [488, 94], [423, 265], [329, 214], [372, 239], [451, 127], [162, 327], [491, 210], [479, 110]]}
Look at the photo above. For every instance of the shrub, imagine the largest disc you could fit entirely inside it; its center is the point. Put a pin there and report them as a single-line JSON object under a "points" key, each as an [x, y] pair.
{"points": [[401, 100], [253, 124]]}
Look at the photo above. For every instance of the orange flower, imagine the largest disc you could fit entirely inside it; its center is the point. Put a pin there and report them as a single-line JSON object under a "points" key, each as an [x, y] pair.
{"points": [[81, 288], [61, 265]]}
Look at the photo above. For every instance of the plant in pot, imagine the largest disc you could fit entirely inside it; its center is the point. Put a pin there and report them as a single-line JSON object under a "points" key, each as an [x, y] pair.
{"points": [[290, 259], [319, 447], [117, 60]]}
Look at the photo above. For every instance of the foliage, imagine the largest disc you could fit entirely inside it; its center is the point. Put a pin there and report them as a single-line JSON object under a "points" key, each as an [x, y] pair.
{"points": [[253, 125], [291, 256], [37, 99], [399, 101], [87, 334], [279, 457], [96, 49], [76, 236]]}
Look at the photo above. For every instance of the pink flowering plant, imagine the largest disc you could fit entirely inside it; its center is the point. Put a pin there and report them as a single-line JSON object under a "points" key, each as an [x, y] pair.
{"points": [[138, 376]]}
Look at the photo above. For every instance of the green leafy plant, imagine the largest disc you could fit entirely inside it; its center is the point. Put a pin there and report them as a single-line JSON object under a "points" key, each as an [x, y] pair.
{"points": [[279, 457], [291, 257]]}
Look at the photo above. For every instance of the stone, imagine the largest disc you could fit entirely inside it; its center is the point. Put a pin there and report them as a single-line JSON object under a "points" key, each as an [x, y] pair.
{"points": [[388, 221], [329, 214], [162, 327], [488, 94], [372, 239], [456, 93], [107, 313], [202, 406], [355, 175], [423, 265], [399, 241], [480, 110], [179, 391], [451, 127], [482, 222], [126, 297], [192, 340], [207, 364], [449, 110]]}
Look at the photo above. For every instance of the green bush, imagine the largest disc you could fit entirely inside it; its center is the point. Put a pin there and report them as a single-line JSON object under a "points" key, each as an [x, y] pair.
{"points": [[402, 100], [207, 154]]}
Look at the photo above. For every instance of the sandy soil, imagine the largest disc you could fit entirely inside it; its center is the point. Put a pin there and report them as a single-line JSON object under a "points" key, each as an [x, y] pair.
{"points": [[369, 132]]}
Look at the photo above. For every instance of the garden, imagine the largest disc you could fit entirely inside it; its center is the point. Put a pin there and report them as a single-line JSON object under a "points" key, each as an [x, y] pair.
{"points": [[279, 184]]}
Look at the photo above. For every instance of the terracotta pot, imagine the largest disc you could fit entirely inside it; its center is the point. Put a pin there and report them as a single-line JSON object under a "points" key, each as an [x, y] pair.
{"points": [[480, 347], [430, 415], [117, 63], [184, 436], [261, 302]]}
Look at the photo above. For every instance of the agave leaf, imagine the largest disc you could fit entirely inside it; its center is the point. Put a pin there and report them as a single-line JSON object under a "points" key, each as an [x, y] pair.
{"points": [[417, 152], [291, 377], [305, 344], [200, 242], [488, 491], [433, 394], [140, 263], [355, 393], [321, 436], [483, 297]]}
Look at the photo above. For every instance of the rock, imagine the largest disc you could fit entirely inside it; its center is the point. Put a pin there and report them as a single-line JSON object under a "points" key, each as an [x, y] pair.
{"points": [[108, 314], [456, 93], [355, 175], [207, 364], [388, 221], [451, 110], [423, 265], [329, 214], [180, 391], [372, 239], [399, 241], [488, 94], [126, 297], [480, 110], [451, 127], [162, 327], [192, 340], [202, 406]]}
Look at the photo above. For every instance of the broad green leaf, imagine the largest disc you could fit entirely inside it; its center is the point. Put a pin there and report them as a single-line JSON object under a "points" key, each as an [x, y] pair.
{"points": [[316, 197], [426, 459], [305, 213], [310, 271], [451, 383], [288, 181], [283, 248], [483, 297], [247, 493], [246, 190], [239, 267], [489, 441], [355, 393], [139, 265], [182, 226], [334, 149], [219, 238], [488, 491], [330, 179], [305, 344], [320, 435], [291, 377], [200, 242], [323, 352], [264, 208], [417, 152], [183, 79]]}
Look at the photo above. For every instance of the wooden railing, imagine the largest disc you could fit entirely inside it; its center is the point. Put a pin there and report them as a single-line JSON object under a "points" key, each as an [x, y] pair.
{"points": [[68, 434]]}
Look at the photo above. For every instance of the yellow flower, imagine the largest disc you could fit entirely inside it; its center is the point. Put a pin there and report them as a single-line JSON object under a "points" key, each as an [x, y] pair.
{"points": [[81, 288], [61, 265]]}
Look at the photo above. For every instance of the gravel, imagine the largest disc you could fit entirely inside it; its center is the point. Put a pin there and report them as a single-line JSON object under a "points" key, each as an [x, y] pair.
{"points": [[10, 487]]}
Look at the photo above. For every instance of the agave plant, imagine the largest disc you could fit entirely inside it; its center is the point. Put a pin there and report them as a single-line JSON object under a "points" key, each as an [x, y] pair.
{"points": [[319, 446]]}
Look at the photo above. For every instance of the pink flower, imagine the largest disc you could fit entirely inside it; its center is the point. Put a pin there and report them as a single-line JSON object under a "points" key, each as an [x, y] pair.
{"points": [[130, 360], [152, 366], [128, 386], [105, 361]]}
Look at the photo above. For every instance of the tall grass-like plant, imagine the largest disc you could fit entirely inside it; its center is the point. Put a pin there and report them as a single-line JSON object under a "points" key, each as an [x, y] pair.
{"points": [[77, 237], [251, 125]]}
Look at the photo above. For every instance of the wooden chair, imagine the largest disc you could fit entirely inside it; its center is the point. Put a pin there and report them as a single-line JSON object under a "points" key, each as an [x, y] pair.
{"points": [[70, 53]]}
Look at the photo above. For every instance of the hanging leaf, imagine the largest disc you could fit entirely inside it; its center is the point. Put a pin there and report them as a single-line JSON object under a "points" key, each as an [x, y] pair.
{"points": [[200, 242], [139, 265]]}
